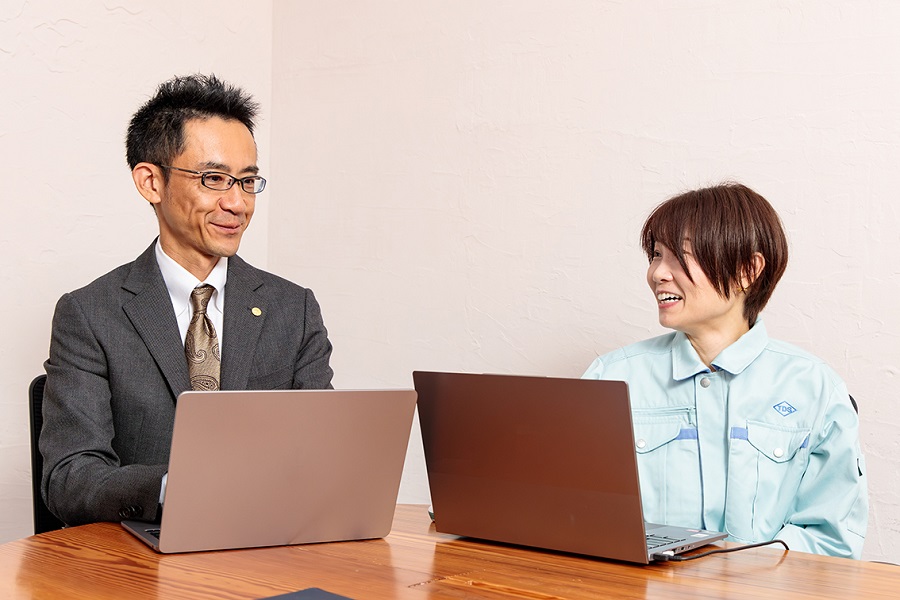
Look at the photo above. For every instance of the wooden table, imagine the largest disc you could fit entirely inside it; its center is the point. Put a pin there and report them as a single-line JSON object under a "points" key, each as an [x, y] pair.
{"points": [[103, 561]]}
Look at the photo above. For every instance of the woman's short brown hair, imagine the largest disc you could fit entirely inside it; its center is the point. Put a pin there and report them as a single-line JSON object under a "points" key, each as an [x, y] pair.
{"points": [[726, 224]]}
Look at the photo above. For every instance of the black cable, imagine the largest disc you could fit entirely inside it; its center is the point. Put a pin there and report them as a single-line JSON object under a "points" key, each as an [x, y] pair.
{"points": [[672, 557]]}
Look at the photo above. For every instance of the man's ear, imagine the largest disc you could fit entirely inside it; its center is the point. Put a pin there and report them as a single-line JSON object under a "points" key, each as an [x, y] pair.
{"points": [[757, 264], [148, 180]]}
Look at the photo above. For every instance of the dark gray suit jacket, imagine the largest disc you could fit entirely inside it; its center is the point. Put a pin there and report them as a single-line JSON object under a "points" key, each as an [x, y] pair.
{"points": [[117, 366]]}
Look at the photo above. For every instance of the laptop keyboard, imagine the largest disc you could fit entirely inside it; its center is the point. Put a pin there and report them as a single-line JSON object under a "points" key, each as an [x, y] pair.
{"points": [[655, 541], [155, 533]]}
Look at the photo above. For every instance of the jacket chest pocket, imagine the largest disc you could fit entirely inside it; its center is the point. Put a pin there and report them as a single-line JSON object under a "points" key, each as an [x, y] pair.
{"points": [[778, 444], [668, 464], [651, 436], [766, 463]]}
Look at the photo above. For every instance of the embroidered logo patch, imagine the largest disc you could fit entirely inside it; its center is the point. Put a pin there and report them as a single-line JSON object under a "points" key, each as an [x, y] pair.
{"points": [[784, 409]]}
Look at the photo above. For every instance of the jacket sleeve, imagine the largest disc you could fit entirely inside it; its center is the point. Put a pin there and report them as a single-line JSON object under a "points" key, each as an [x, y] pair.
{"points": [[83, 480], [830, 509], [312, 369]]}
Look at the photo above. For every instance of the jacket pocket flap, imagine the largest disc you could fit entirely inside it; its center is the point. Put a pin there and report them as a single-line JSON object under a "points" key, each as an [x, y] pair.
{"points": [[650, 436], [779, 444]]}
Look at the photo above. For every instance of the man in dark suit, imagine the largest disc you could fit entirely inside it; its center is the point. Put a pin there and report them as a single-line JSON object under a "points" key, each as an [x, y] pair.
{"points": [[118, 352]]}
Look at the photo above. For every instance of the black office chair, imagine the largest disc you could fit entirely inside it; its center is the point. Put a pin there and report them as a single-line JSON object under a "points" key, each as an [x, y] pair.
{"points": [[44, 520]]}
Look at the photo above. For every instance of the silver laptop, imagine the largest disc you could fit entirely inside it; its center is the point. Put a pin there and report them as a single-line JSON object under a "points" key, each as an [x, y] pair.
{"points": [[541, 462], [280, 467]]}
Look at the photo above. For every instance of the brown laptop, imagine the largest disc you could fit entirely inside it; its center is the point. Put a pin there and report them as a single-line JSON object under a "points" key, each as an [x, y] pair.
{"points": [[538, 461], [272, 468]]}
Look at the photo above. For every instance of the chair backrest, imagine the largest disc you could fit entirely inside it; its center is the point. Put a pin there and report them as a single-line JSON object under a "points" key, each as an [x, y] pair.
{"points": [[44, 520]]}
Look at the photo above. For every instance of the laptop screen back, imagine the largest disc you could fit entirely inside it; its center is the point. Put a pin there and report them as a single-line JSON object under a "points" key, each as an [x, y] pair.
{"points": [[264, 468], [537, 461]]}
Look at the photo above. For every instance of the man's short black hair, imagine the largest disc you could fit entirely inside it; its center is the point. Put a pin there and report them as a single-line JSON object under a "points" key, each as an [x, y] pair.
{"points": [[156, 132]]}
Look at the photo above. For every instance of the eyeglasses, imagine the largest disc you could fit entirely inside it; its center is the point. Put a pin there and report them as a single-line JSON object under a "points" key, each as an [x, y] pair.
{"points": [[222, 182]]}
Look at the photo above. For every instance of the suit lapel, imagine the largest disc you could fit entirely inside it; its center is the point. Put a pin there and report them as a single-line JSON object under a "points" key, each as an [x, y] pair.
{"points": [[245, 312], [150, 311]]}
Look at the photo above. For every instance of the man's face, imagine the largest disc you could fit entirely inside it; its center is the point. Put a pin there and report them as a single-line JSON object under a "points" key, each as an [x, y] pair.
{"points": [[198, 225]]}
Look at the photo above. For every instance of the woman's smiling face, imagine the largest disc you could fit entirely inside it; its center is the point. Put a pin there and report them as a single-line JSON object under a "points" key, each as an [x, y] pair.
{"points": [[690, 304]]}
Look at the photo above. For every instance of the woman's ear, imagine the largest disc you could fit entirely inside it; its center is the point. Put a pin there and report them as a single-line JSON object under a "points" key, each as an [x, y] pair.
{"points": [[757, 264]]}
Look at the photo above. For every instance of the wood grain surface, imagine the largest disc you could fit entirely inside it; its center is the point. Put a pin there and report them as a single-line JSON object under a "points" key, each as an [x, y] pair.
{"points": [[102, 561]]}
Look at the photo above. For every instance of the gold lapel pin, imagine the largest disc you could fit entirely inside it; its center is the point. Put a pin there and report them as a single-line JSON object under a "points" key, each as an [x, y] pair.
{"points": [[256, 311]]}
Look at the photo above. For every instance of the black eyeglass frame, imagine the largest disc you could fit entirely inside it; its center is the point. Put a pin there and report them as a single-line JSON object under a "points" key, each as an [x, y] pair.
{"points": [[231, 179]]}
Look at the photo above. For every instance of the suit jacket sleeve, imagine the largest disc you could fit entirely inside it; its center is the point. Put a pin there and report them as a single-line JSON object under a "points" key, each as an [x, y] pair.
{"points": [[313, 370], [84, 479]]}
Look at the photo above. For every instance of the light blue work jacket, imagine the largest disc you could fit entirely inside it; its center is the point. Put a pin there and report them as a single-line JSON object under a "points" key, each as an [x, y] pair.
{"points": [[765, 446]]}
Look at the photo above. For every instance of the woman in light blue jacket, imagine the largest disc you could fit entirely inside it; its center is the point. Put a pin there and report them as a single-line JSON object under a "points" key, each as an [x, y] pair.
{"points": [[735, 431]]}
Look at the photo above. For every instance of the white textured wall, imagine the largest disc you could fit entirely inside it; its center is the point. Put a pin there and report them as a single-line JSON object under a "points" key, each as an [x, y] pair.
{"points": [[467, 181], [73, 74]]}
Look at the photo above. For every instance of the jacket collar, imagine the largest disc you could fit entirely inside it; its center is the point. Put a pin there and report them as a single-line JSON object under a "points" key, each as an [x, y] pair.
{"points": [[246, 309], [150, 311], [733, 359]]}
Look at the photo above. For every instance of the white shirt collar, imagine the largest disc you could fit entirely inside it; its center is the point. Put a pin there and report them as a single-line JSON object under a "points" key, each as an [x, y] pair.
{"points": [[180, 282]]}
